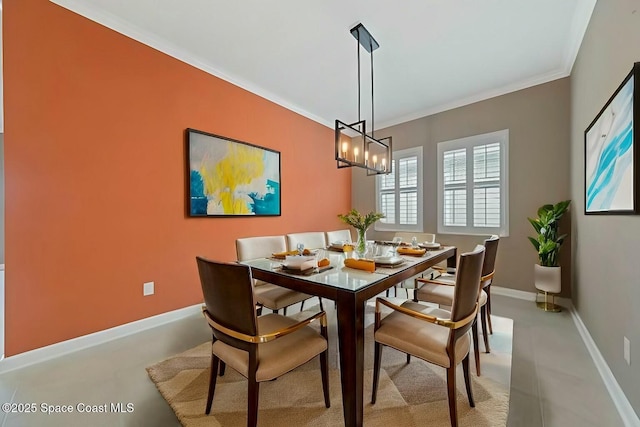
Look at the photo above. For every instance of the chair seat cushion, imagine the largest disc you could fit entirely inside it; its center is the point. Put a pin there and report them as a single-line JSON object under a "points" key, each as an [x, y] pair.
{"points": [[420, 338], [275, 357], [276, 297], [442, 294]]}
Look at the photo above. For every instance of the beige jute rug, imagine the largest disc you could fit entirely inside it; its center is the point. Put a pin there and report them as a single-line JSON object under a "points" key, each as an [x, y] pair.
{"points": [[412, 394]]}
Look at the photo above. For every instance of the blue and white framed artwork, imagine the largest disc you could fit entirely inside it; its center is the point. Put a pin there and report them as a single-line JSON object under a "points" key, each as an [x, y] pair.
{"points": [[611, 153], [227, 177]]}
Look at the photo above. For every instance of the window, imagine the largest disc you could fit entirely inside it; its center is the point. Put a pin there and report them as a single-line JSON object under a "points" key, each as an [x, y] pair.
{"points": [[399, 194], [473, 185]]}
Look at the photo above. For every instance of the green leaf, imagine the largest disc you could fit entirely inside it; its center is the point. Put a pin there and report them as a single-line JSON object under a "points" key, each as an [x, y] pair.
{"points": [[542, 210], [546, 225], [358, 221], [536, 224]]}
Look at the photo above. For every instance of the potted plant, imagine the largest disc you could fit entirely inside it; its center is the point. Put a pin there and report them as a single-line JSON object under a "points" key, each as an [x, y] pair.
{"points": [[547, 273], [361, 223]]}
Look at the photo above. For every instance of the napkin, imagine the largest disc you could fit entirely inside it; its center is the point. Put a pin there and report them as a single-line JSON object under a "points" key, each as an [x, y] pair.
{"points": [[411, 251], [360, 264]]}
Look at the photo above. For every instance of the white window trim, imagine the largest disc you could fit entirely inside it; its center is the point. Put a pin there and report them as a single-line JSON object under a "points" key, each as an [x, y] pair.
{"points": [[379, 226], [501, 136]]}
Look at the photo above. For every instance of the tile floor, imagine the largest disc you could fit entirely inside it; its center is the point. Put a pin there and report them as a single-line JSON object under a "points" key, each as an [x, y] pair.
{"points": [[553, 380]]}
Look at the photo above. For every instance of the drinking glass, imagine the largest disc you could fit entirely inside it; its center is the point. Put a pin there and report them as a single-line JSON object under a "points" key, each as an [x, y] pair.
{"points": [[396, 243]]}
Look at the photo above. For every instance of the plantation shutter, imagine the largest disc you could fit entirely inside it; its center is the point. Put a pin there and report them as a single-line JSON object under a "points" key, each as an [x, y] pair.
{"points": [[486, 185], [388, 195], [408, 190], [399, 194], [455, 188], [473, 184]]}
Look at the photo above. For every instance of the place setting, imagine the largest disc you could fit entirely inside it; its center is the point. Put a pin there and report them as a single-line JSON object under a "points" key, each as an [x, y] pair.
{"points": [[303, 262]]}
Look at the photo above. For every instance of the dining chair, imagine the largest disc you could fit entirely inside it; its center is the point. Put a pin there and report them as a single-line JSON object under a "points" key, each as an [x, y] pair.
{"points": [[310, 240], [435, 335], [338, 236], [441, 290], [267, 294], [259, 348]]}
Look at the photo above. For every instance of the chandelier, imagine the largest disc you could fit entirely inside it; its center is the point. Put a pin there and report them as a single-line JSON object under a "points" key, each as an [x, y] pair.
{"points": [[354, 147]]}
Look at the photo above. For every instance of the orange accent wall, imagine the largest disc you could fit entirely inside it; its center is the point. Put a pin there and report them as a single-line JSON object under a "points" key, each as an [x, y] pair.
{"points": [[95, 175]]}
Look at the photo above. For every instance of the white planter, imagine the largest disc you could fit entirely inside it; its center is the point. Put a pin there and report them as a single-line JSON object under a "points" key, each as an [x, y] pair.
{"points": [[548, 280]]}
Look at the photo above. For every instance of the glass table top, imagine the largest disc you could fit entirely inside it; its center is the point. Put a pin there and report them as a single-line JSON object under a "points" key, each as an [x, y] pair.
{"points": [[338, 275]]}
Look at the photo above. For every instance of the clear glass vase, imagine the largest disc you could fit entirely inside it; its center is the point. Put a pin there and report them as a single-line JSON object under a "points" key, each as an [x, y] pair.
{"points": [[361, 243]]}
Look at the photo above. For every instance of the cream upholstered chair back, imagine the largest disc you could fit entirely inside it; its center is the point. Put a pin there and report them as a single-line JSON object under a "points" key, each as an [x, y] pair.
{"points": [[339, 236], [310, 240], [259, 247], [267, 294]]}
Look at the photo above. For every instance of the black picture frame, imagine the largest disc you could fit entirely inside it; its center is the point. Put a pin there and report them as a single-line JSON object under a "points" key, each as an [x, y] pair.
{"points": [[231, 178], [611, 178]]}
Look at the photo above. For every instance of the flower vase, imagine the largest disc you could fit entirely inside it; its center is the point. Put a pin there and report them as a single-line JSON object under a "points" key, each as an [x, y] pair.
{"points": [[361, 244]]}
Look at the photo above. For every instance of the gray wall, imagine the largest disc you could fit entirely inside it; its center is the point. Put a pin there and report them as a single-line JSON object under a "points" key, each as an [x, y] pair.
{"points": [[606, 288], [538, 123]]}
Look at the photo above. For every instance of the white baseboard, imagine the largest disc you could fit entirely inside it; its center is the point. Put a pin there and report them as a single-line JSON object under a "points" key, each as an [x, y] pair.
{"points": [[513, 293], [628, 415], [527, 296], [626, 411], [65, 347]]}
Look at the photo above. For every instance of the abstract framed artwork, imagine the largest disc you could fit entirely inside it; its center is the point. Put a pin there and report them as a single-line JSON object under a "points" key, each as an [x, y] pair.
{"points": [[227, 177], [611, 179]]}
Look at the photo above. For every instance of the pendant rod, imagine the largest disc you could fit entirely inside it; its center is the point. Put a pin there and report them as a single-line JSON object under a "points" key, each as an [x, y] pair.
{"points": [[373, 124], [358, 55]]}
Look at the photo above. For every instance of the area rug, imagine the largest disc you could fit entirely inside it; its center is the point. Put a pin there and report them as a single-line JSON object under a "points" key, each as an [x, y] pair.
{"points": [[413, 394]]}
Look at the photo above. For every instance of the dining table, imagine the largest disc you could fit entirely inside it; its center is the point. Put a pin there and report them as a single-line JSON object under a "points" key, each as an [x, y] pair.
{"points": [[350, 288]]}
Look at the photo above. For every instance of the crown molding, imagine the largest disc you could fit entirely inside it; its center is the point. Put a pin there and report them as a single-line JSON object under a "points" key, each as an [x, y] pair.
{"points": [[482, 96], [160, 44], [578, 28]]}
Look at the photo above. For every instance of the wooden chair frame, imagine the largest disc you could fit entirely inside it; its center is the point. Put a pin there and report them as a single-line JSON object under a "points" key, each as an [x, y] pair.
{"points": [[229, 308], [474, 327], [458, 329], [251, 343]]}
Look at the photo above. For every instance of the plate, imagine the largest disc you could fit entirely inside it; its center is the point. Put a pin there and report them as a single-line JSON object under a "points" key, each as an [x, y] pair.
{"points": [[299, 262], [428, 245], [388, 260]]}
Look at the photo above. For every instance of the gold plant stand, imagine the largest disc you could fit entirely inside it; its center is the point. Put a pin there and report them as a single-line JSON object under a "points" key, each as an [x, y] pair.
{"points": [[546, 305]]}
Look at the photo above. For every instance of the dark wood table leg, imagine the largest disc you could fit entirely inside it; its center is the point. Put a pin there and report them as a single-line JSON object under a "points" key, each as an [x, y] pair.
{"points": [[351, 342], [453, 259]]}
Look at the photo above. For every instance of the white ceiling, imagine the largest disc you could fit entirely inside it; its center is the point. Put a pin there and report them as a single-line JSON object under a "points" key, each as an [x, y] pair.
{"points": [[434, 54]]}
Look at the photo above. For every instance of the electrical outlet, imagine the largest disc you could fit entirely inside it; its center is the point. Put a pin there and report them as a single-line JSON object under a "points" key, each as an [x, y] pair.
{"points": [[627, 350], [148, 288]]}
